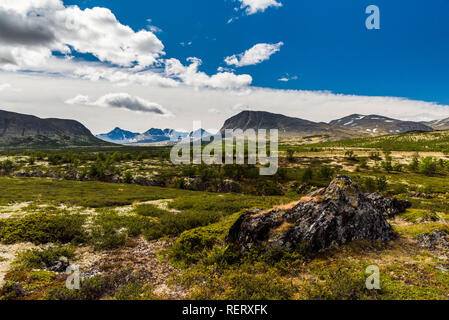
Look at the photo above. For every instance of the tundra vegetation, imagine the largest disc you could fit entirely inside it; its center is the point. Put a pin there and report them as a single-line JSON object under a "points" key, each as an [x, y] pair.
{"points": [[139, 227]]}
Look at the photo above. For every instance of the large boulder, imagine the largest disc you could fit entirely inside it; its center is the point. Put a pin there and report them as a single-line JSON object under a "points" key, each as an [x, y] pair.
{"points": [[326, 218]]}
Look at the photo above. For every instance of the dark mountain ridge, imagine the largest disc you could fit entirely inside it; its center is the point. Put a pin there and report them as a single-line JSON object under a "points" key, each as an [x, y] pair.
{"points": [[21, 130]]}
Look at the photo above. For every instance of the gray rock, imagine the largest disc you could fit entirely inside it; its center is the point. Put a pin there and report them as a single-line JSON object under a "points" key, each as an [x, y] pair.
{"points": [[435, 240], [228, 186], [326, 218], [389, 206], [58, 265], [194, 184]]}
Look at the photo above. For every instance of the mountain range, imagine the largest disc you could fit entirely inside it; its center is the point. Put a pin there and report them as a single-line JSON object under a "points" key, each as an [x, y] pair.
{"points": [[350, 126], [152, 135], [19, 130]]}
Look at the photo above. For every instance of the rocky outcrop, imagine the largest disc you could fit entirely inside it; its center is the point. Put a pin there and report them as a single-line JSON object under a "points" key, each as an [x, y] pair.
{"points": [[324, 219]]}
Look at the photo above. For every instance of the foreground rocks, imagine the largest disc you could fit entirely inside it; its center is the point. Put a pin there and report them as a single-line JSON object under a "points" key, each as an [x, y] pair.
{"points": [[324, 219]]}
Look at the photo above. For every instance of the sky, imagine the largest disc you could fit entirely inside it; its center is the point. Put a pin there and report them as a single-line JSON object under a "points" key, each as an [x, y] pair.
{"points": [[159, 63]]}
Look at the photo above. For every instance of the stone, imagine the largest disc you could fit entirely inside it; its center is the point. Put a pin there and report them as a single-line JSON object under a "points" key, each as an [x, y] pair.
{"points": [[391, 207], [58, 265], [229, 186], [326, 218], [435, 240], [193, 184]]}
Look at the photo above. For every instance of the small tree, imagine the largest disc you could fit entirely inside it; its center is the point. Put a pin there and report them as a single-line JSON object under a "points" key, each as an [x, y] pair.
{"points": [[307, 175], [290, 155], [128, 178], [414, 165], [381, 183], [428, 166]]}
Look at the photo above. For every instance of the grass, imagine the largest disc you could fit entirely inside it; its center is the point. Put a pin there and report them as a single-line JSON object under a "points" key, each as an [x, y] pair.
{"points": [[87, 194], [426, 141], [419, 215]]}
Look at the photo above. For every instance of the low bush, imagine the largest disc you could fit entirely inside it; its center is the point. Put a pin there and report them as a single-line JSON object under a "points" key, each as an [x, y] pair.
{"points": [[149, 210], [43, 228], [39, 259]]}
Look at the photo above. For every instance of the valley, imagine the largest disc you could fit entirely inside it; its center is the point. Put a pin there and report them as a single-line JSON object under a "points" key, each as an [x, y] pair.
{"points": [[141, 228]]}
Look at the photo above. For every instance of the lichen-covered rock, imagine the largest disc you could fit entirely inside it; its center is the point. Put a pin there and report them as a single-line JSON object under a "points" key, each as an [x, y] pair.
{"points": [[193, 184], [326, 218], [229, 186], [389, 206], [435, 240]]}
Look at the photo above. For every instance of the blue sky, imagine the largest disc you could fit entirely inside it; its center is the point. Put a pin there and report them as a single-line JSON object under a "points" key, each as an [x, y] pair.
{"points": [[326, 43], [157, 63]]}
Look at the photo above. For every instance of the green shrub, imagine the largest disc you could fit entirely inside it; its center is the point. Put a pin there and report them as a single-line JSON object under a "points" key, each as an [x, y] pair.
{"points": [[341, 284], [93, 288], [110, 230], [172, 224], [39, 259], [149, 210], [414, 165], [326, 173], [235, 285], [307, 175], [290, 155], [43, 228], [428, 166], [128, 178]]}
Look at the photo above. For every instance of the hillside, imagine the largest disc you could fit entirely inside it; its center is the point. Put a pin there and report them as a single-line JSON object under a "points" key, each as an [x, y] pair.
{"points": [[442, 124], [413, 141], [20, 130], [377, 125]]}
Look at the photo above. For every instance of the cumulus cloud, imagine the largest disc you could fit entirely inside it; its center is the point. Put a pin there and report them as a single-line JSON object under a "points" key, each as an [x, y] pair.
{"points": [[121, 101], [257, 54], [31, 30], [254, 6], [192, 77]]}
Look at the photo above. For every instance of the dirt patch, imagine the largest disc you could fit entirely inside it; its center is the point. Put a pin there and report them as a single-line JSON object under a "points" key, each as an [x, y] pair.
{"points": [[7, 255]]}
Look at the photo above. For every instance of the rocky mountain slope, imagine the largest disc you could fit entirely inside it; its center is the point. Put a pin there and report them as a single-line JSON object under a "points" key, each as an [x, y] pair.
{"points": [[20, 130], [442, 124], [377, 125]]}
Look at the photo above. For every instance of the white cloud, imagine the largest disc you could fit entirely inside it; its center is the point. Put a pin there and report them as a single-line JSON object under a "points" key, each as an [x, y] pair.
{"points": [[189, 105], [4, 86], [287, 78], [254, 6], [79, 99], [121, 101], [33, 29], [257, 54], [192, 77]]}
